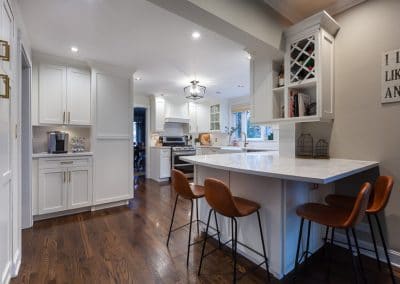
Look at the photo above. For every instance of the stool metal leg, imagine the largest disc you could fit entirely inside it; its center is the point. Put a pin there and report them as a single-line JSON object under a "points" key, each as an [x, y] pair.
{"points": [[172, 219], [190, 232], [359, 255], [263, 245], [296, 263], [204, 242], [216, 226], [232, 237], [235, 250], [308, 242], [374, 242], [197, 216], [330, 250], [385, 248], [352, 257]]}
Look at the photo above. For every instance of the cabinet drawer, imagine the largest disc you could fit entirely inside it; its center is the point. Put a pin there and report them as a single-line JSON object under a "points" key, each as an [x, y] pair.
{"points": [[165, 153], [49, 163]]}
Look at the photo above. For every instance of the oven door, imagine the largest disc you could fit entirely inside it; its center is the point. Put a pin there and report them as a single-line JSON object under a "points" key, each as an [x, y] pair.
{"points": [[183, 166]]}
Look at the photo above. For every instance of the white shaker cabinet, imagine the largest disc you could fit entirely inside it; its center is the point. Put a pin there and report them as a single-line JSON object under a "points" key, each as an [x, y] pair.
{"points": [[52, 94], [78, 97], [64, 184], [64, 95], [157, 114], [160, 165]]}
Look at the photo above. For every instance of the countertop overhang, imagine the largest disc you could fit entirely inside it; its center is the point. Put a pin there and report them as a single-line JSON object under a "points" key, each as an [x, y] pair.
{"points": [[319, 171], [63, 155]]}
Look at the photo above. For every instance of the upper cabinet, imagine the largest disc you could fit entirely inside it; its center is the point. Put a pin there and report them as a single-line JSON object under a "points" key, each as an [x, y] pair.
{"points": [[157, 114], [64, 95], [299, 86]]}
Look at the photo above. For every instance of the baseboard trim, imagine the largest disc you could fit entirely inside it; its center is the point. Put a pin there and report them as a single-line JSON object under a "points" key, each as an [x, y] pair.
{"points": [[16, 263], [109, 205], [394, 255], [6, 275]]}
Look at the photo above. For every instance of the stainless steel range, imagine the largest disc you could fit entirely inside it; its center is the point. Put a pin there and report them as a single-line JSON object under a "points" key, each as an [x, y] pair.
{"points": [[179, 148]]}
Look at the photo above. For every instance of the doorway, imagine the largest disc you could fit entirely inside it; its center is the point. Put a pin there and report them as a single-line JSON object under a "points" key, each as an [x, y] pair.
{"points": [[139, 142], [26, 142]]}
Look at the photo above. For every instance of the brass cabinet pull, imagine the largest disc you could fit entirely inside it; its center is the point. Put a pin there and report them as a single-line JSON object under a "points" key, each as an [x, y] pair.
{"points": [[64, 117], [67, 163], [6, 45], [69, 179], [65, 177], [6, 82], [69, 117]]}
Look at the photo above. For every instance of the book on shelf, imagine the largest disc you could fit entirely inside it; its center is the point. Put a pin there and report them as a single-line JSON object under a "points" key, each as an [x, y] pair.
{"points": [[299, 104]]}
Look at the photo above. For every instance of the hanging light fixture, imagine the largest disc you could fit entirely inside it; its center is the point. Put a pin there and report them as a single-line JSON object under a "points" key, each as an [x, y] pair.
{"points": [[194, 91]]}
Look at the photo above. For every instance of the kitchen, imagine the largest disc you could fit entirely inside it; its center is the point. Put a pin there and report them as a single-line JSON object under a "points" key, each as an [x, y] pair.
{"points": [[261, 136]]}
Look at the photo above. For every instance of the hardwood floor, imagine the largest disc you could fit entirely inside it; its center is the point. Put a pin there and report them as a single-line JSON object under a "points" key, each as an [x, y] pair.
{"points": [[127, 245]]}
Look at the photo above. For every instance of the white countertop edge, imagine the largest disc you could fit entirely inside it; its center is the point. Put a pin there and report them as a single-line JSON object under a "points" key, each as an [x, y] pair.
{"points": [[66, 155], [284, 176]]}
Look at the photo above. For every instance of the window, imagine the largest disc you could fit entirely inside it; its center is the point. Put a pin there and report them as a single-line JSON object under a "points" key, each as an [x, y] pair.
{"points": [[241, 121]]}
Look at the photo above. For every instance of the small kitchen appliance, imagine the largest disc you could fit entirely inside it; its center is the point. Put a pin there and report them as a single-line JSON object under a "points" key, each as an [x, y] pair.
{"points": [[57, 142]]}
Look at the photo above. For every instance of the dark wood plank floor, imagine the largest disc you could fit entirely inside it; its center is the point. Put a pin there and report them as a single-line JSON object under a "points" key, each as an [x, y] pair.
{"points": [[127, 245]]}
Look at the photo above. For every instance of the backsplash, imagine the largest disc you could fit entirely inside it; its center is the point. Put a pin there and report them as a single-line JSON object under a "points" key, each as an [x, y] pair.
{"points": [[39, 133]]}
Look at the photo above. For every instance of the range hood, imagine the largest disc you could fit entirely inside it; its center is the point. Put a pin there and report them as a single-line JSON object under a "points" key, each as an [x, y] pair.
{"points": [[177, 120]]}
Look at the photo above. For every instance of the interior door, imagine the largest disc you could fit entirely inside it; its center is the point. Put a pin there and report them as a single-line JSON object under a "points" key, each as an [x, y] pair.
{"points": [[78, 97], [52, 94], [52, 190], [79, 187]]}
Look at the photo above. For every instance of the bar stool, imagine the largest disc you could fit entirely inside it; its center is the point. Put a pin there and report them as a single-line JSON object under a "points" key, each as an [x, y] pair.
{"points": [[220, 199], [334, 217], [378, 200], [190, 192]]}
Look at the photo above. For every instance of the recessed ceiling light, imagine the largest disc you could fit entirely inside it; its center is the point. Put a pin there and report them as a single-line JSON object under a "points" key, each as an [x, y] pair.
{"points": [[218, 92], [240, 86], [138, 78], [74, 49], [196, 35], [248, 56]]}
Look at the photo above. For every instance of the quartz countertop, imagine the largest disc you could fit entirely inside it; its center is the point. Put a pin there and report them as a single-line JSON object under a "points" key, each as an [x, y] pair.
{"points": [[69, 154], [230, 147], [272, 165]]}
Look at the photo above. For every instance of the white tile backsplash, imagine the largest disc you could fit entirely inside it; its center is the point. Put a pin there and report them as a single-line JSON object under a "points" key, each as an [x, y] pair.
{"points": [[39, 133]]}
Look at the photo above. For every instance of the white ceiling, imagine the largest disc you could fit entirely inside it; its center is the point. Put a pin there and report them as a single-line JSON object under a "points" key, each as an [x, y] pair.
{"points": [[137, 34], [296, 10]]}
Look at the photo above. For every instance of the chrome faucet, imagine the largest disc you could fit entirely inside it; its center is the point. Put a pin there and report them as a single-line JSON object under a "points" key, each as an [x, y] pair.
{"points": [[245, 139]]}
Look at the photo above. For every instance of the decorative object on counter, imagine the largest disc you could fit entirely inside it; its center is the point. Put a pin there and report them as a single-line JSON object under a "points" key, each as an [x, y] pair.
{"points": [[230, 132], [78, 144], [205, 139], [270, 133], [321, 149], [305, 146], [194, 91]]}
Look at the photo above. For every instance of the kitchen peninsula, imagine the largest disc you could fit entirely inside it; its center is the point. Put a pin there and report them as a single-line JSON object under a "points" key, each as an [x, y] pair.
{"points": [[279, 184]]}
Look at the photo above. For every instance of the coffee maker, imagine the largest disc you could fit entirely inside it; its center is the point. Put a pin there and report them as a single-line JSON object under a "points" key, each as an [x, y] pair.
{"points": [[57, 142]]}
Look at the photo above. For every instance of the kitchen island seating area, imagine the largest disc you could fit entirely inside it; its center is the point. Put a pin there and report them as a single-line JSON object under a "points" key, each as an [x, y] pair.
{"points": [[335, 218], [220, 199], [379, 198]]}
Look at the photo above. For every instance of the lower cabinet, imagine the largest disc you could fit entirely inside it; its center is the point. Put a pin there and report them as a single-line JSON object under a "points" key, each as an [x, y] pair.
{"points": [[64, 184], [160, 163]]}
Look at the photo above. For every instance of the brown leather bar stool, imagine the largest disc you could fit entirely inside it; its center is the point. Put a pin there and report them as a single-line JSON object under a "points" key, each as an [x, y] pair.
{"points": [[190, 192], [220, 199], [378, 200], [334, 217]]}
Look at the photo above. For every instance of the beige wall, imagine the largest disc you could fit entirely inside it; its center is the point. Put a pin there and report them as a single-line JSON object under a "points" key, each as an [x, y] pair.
{"points": [[363, 127]]}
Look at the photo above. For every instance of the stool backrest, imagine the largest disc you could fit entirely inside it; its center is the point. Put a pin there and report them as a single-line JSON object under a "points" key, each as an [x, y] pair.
{"points": [[181, 184], [219, 197], [380, 194], [361, 204]]}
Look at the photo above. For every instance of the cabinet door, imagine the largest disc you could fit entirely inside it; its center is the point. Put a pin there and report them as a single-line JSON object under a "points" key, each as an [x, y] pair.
{"points": [[78, 97], [203, 118], [160, 114], [52, 190], [165, 163], [7, 33], [52, 94], [79, 187]]}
